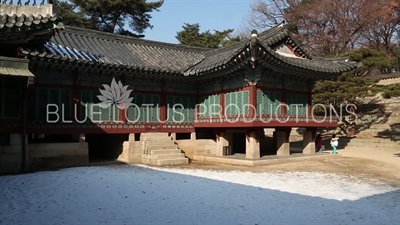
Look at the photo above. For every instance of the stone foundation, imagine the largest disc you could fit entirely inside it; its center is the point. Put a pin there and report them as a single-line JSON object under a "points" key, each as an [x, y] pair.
{"points": [[131, 151], [57, 155], [11, 155]]}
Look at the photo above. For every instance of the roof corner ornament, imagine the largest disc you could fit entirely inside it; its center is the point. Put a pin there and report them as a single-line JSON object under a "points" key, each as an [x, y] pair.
{"points": [[253, 38], [253, 41]]}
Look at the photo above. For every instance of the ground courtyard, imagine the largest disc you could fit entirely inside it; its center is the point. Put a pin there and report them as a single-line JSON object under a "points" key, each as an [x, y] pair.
{"points": [[354, 187]]}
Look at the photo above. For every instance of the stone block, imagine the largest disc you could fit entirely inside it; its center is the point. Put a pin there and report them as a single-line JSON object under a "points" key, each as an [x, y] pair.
{"points": [[10, 167], [283, 145], [15, 139], [308, 143], [252, 146], [12, 149], [11, 158]]}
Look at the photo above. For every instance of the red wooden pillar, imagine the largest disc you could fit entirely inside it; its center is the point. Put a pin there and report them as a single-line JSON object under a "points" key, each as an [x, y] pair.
{"points": [[309, 103], [222, 102], [163, 107], [122, 115]]}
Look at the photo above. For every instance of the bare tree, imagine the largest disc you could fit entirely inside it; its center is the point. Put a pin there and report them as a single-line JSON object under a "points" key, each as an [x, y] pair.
{"points": [[329, 27], [265, 14], [383, 33]]}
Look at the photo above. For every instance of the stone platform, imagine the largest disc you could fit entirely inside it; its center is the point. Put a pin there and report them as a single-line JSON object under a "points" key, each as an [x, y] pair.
{"points": [[240, 159]]}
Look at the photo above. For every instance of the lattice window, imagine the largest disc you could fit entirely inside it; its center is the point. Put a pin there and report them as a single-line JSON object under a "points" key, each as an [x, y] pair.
{"points": [[297, 102], [180, 108], [237, 103], [211, 105], [91, 110], [146, 108], [50, 104], [268, 103]]}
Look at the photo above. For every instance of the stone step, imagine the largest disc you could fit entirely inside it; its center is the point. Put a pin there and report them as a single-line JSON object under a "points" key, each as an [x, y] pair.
{"points": [[161, 142], [370, 148], [394, 144], [168, 156], [165, 151], [373, 146], [370, 140], [378, 130], [373, 143], [152, 146], [167, 162], [155, 134], [164, 138]]}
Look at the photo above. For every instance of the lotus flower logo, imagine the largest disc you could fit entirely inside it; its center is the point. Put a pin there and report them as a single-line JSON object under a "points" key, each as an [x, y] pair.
{"points": [[115, 94]]}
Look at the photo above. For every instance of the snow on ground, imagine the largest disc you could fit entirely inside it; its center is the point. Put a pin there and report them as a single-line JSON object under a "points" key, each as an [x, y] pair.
{"points": [[122, 194]]}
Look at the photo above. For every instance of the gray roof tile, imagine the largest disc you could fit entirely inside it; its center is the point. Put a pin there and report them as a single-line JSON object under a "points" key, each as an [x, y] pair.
{"points": [[88, 46]]}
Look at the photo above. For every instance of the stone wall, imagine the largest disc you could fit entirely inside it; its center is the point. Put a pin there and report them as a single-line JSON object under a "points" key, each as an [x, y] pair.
{"points": [[58, 155], [11, 155], [131, 151], [192, 148]]}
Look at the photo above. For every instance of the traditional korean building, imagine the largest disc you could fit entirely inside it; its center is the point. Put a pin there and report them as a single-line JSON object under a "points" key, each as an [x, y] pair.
{"points": [[52, 76]]}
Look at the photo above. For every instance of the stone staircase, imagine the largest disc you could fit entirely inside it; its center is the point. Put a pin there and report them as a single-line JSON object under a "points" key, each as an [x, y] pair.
{"points": [[378, 130], [367, 144], [158, 149]]}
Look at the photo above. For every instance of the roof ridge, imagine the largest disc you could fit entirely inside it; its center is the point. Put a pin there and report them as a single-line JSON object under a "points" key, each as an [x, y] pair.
{"points": [[275, 29], [134, 40]]}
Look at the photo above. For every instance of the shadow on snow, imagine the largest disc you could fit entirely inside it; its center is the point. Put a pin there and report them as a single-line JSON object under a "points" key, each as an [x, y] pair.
{"points": [[128, 194]]}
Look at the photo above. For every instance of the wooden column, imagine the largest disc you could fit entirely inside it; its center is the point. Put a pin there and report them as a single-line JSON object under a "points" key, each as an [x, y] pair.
{"points": [[24, 95], [163, 107], [122, 115], [309, 103], [163, 102], [222, 102], [76, 98]]}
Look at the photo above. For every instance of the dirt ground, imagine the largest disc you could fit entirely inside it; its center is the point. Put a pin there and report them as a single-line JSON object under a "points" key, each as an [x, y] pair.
{"points": [[383, 166]]}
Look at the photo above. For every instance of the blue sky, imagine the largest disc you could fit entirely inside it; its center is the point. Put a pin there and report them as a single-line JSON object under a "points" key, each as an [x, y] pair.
{"points": [[210, 14]]}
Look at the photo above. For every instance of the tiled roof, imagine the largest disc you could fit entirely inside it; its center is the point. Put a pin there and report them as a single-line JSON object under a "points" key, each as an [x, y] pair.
{"points": [[88, 46], [23, 15], [14, 67], [6, 71], [95, 47], [266, 40], [10, 21]]}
